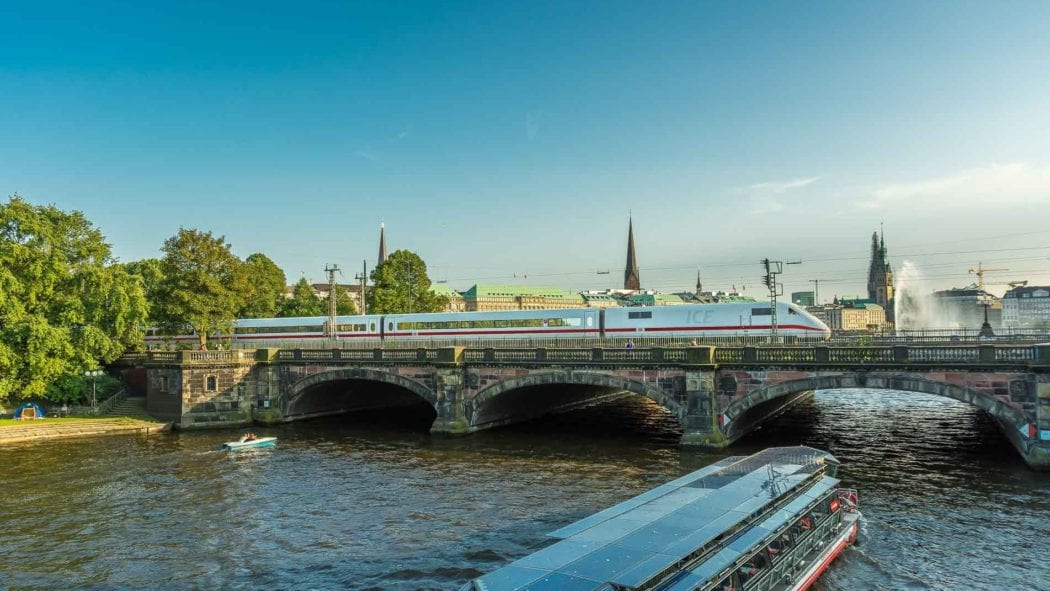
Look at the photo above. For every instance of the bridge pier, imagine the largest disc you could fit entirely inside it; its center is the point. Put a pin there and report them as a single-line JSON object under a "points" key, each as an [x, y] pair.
{"points": [[701, 427]]}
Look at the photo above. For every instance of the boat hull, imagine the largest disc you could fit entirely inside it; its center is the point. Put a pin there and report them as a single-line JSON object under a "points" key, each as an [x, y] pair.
{"points": [[828, 555], [260, 442]]}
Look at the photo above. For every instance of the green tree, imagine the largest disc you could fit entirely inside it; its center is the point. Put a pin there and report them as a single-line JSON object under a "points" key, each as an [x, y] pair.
{"points": [[344, 304], [149, 273], [65, 307], [304, 302], [266, 283], [401, 286], [204, 285]]}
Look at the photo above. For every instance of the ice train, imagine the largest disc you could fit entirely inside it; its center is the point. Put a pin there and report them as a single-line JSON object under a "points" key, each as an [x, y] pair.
{"points": [[701, 321]]}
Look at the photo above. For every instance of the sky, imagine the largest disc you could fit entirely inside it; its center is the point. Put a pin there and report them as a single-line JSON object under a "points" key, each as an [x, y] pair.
{"points": [[509, 142]]}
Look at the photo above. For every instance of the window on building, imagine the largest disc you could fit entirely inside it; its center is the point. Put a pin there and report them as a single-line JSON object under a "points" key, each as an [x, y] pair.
{"points": [[211, 383], [162, 386]]}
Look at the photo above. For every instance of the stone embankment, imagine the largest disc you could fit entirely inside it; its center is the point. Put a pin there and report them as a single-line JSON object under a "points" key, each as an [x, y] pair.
{"points": [[78, 428]]}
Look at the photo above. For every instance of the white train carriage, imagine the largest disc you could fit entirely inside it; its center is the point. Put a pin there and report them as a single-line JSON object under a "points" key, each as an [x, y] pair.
{"points": [[712, 320], [515, 324], [260, 331]]}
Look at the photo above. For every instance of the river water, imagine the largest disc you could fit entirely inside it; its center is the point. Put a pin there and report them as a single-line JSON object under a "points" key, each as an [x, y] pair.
{"points": [[353, 503]]}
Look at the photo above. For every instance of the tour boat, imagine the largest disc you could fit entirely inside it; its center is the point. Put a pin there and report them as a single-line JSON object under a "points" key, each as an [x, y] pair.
{"points": [[771, 521], [257, 442]]}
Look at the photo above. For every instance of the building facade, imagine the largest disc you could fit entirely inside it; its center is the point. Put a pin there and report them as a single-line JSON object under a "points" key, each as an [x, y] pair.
{"points": [[456, 303], [488, 297], [851, 316], [964, 307], [880, 276], [1026, 307]]}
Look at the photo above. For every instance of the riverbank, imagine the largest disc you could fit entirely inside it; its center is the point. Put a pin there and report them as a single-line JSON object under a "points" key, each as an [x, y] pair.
{"points": [[12, 431]]}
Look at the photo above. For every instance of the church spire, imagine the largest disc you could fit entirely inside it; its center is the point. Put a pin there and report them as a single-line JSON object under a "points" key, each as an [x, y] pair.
{"points": [[631, 278], [382, 243], [699, 286]]}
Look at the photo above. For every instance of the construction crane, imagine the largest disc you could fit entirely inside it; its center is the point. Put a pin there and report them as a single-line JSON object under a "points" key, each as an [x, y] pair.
{"points": [[980, 271]]}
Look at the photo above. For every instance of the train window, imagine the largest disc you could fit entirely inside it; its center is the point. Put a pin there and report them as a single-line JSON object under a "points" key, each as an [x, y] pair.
{"points": [[761, 312], [372, 327], [590, 321], [635, 315], [390, 326], [792, 311]]}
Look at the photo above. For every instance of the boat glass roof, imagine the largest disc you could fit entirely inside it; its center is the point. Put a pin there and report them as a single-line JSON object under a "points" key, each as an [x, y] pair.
{"points": [[641, 539]]}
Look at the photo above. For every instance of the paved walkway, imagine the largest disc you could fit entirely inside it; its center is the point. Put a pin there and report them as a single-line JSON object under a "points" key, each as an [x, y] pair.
{"points": [[77, 428]]}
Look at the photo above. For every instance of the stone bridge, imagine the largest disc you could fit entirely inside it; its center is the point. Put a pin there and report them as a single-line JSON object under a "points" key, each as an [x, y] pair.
{"points": [[717, 394]]}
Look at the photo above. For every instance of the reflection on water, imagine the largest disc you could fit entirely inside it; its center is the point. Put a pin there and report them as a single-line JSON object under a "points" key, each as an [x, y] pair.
{"points": [[357, 504]]}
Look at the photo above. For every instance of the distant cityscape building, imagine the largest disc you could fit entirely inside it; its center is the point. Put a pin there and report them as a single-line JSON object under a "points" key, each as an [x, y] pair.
{"points": [[631, 278], [456, 303], [1026, 307], [851, 315], [803, 298], [963, 307], [487, 297], [382, 243], [651, 298], [599, 299], [880, 276]]}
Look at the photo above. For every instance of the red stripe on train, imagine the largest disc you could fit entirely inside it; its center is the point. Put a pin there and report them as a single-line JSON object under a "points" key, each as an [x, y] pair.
{"points": [[468, 331], [703, 328]]}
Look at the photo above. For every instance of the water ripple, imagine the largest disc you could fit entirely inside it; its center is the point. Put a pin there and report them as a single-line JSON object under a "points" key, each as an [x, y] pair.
{"points": [[345, 504]]}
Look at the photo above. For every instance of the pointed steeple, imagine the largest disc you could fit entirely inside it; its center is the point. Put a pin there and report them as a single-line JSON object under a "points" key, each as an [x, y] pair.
{"points": [[631, 278], [382, 243], [699, 286]]}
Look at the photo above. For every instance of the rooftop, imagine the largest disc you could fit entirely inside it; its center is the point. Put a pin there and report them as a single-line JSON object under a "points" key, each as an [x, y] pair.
{"points": [[486, 290]]}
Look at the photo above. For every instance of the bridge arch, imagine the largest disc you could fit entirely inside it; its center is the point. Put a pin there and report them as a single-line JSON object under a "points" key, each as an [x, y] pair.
{"points": [[309, 384], [573, 378], [907, 383]]}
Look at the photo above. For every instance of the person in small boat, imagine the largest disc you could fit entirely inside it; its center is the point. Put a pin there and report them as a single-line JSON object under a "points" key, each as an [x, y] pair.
{"points": [[248, 437]]}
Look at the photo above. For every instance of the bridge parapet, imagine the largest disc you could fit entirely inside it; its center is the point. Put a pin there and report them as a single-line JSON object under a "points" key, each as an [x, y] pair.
{"points": [[899, 355]]}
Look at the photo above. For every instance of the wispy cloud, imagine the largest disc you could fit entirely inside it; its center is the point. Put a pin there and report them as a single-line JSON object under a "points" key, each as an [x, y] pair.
{"points": [[993, 185], [761, 195], [783, 186], [367, 154]]}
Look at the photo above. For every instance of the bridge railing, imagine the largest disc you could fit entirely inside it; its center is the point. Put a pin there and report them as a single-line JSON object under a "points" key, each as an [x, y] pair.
{"points": [[975, 355]]}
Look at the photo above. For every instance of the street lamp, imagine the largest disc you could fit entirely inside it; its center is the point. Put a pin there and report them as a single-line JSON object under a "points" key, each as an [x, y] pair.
{"points": [[93, 374]]}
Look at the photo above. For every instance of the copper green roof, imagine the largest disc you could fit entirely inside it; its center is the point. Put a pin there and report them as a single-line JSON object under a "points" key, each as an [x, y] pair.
{"points": [[442, 289], [487, 290]]}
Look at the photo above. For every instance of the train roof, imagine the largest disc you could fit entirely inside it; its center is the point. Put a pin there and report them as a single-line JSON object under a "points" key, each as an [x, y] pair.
{"points": [[298, 320], [644, 539], [545, 313]]}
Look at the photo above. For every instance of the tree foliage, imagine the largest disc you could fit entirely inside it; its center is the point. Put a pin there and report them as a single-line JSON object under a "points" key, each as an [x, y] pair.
{"points": [[204, 285], [344, 304], [266, 283], [304, 302], [65, 307], [401, 286], [149, 273]]}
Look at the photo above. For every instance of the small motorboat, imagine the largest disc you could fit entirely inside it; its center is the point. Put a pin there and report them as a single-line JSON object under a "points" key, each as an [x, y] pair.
{"points": [[249, 443]]}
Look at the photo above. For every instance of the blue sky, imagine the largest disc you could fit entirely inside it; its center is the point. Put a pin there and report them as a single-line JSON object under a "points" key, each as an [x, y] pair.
{"points": [[500, 140]]}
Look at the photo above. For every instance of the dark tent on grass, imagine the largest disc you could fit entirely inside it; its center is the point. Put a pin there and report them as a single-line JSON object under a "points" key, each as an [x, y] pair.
{"points": [[29, 410]]}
